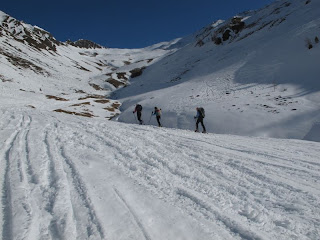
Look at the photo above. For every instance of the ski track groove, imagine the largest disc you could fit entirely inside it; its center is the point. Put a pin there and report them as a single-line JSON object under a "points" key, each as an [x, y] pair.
{"points": [[75, 181], [6, 166], [6, 191], [132, 213], [110, 142], [235, 228], [183, 176], [23, 159], [33, 178], [246, 155], [51, 190], [231, 165]]}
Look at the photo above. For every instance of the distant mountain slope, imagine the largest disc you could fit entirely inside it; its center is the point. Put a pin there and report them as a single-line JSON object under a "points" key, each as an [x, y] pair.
{"points": [[255, 74], [73, 77]]}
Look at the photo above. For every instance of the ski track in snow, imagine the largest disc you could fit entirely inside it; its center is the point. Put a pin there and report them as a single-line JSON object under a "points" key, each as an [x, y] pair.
{"points": [[249, 188], [134, 215], [52, 179]]}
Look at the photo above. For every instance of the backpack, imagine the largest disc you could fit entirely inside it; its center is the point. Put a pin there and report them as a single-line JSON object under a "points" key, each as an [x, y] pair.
{"points": [[202, 112], [158, 112], [139, 108]]}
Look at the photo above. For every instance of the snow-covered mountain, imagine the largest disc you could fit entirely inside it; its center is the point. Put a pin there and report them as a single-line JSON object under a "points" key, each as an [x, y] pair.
{"points": [[68, 173], [73, 77], [256, 74]]}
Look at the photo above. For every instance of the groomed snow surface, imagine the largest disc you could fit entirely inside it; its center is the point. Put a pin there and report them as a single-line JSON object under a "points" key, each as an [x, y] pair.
{"points": [[64, 177]]}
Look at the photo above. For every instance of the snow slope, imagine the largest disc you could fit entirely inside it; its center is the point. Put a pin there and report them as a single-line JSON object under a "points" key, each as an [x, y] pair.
{"points": [[64, 177], [262, 80]]}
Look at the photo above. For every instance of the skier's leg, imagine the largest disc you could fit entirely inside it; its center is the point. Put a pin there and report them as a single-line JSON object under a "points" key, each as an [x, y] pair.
{"points": [[204, 128], [158, 120], [197, 125], [139, 117]]}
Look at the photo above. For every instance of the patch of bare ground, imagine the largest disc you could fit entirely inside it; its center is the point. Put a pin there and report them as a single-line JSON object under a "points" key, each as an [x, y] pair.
{"points": [[83, 68], [96, 87], [116, 105], [56, 98], [88, 54], [113, 107], [110, 109], [80, 104], [4, 79], [77, 65], [115, 83], [93, 96], [82, 114], [79, 91], [103, 101], [122, 75], [101, 64], [136, 72]]}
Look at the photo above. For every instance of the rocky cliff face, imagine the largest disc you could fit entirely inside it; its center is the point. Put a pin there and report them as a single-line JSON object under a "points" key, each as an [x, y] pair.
{"points": [[26, 33]]}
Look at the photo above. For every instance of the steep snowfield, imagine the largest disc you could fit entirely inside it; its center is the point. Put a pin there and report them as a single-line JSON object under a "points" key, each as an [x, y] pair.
{"points": [[64, 177], [262, 81]]}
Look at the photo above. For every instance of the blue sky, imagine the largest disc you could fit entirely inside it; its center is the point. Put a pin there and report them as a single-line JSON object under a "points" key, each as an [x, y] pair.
{"points": [[125, 23]]}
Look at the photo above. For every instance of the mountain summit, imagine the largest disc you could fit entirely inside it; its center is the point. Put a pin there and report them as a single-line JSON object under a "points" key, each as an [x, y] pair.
{"points": [[82, 43]]}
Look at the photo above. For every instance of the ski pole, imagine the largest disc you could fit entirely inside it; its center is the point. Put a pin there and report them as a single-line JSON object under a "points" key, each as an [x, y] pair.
{"points": [[150, 118]]}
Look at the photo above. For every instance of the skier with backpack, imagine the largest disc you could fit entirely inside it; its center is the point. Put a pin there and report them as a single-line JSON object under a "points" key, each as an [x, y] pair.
{"points": [[200, 116], [157, 112], [138, 109]]}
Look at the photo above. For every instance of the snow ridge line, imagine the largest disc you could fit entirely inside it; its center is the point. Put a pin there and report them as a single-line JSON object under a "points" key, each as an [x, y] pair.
{"points": [[82, 192], [133, 214]]}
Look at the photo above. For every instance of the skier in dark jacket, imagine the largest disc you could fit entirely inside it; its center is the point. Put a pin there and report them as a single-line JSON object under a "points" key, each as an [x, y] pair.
{"points": [[157, 112], [138, 109], [200, 116]]}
